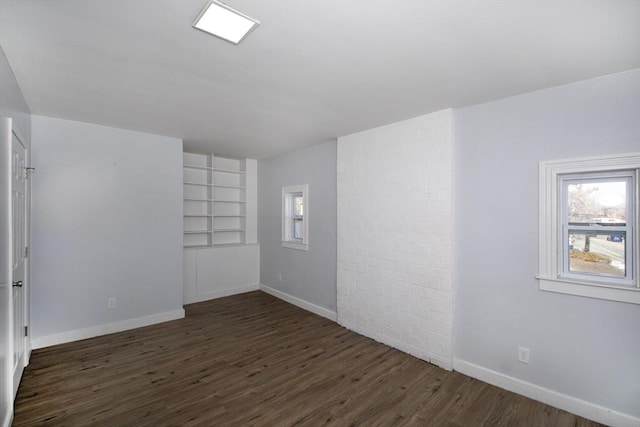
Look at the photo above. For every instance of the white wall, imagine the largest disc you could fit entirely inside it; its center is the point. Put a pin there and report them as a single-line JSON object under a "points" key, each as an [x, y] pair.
{"points": [[308, 278], [12, 103], [395, 256], [107, 222], [582, 348]]}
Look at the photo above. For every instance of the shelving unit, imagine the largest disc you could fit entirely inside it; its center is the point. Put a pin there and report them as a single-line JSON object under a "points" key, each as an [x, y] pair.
{"points": [[214, 200]]}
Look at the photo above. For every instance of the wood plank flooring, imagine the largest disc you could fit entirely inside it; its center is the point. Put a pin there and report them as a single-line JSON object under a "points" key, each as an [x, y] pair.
{"points": [[253, 360]]}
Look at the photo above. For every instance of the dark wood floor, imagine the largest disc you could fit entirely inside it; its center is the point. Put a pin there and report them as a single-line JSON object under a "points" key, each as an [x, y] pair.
{"points": [[254, 360]]}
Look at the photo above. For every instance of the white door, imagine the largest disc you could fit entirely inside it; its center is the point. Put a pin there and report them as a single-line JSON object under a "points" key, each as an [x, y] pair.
{"points": [[6, 332], [19, 241]]}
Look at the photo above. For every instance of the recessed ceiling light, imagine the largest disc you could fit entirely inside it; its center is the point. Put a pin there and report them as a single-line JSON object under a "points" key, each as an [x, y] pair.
{"points": [[225, 22]]}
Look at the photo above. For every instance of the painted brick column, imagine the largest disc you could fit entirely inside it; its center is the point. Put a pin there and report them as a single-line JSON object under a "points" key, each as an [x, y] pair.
{"points": [[395, 235]]}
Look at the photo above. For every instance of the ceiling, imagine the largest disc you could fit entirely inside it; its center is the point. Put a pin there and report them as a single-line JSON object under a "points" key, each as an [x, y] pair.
{"points": [[312, 71]]}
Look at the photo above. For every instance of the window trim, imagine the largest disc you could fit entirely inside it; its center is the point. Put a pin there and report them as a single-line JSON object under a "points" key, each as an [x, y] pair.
{"points": [[550, 236], [288, 193]]}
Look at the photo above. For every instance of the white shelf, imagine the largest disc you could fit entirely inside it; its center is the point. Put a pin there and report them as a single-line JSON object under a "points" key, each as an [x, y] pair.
{"points": [[198, 183], [217, 186], [197, 167], [240, 187], [239, 172]]}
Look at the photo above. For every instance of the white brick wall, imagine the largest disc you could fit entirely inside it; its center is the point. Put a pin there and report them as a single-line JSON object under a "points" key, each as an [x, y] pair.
{"points": [[395, 225]]}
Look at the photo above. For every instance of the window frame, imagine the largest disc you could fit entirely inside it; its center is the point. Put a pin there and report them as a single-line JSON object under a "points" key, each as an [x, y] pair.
{"points": [[551, 268], [289, 193], [567, 179], [296, 218]]}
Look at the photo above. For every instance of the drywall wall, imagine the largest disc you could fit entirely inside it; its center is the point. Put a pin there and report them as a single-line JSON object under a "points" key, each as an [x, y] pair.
{"points": [[395, 256], [107, 222], [580, 347], [309, 276], [13, 106], [12, 102]]}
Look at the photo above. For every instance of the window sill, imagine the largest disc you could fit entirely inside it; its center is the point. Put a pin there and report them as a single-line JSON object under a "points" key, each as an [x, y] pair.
{"points": [[590, 290], [295, 245]]}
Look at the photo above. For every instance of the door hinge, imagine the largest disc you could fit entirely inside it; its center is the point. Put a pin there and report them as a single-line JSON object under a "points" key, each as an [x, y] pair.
{"points": [[28, 169], [26, 331], [26, 251]]}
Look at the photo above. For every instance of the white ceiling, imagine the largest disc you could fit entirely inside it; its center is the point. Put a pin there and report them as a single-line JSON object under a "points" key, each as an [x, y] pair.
{"points": [[312, 71]]}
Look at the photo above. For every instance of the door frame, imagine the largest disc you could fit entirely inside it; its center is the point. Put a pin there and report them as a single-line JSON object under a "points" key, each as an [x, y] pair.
{"points": [[26, 282], [7, 131]]}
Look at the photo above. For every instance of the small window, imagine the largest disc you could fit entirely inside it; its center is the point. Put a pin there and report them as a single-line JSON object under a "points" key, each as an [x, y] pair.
{"points": [[588, 227], [295, 217]]}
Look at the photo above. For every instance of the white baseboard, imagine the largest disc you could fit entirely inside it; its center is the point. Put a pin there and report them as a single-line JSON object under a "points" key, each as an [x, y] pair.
{"points": [[27, 352], [7, 417], [105, 329], [316, 309], [191, 299], [553, 398]]}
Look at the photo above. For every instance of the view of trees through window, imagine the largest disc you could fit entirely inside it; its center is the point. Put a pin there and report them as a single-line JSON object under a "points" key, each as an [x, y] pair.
{"points": [[298, 216], [598, 202], [596, 217]]}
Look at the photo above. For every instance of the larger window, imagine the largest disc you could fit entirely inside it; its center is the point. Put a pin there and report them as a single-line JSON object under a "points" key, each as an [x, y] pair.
{"points": [[589, 227]]}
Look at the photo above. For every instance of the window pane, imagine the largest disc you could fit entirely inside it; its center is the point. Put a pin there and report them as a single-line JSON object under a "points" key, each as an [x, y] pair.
{"points": [[600, 253], [297, 229], [597, 202], [298, 206]]}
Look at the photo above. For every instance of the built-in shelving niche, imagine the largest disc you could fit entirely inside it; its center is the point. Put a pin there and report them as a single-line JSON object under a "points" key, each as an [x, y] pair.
{"points": [[215, 198]]}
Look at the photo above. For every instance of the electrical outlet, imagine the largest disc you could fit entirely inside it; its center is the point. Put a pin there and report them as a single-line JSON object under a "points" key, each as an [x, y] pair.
{"points": [[111, 302], [523, 354], [279, 277]]}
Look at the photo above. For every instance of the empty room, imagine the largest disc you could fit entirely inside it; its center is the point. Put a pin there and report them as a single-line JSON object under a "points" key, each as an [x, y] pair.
{"points": [[319, 212]]}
